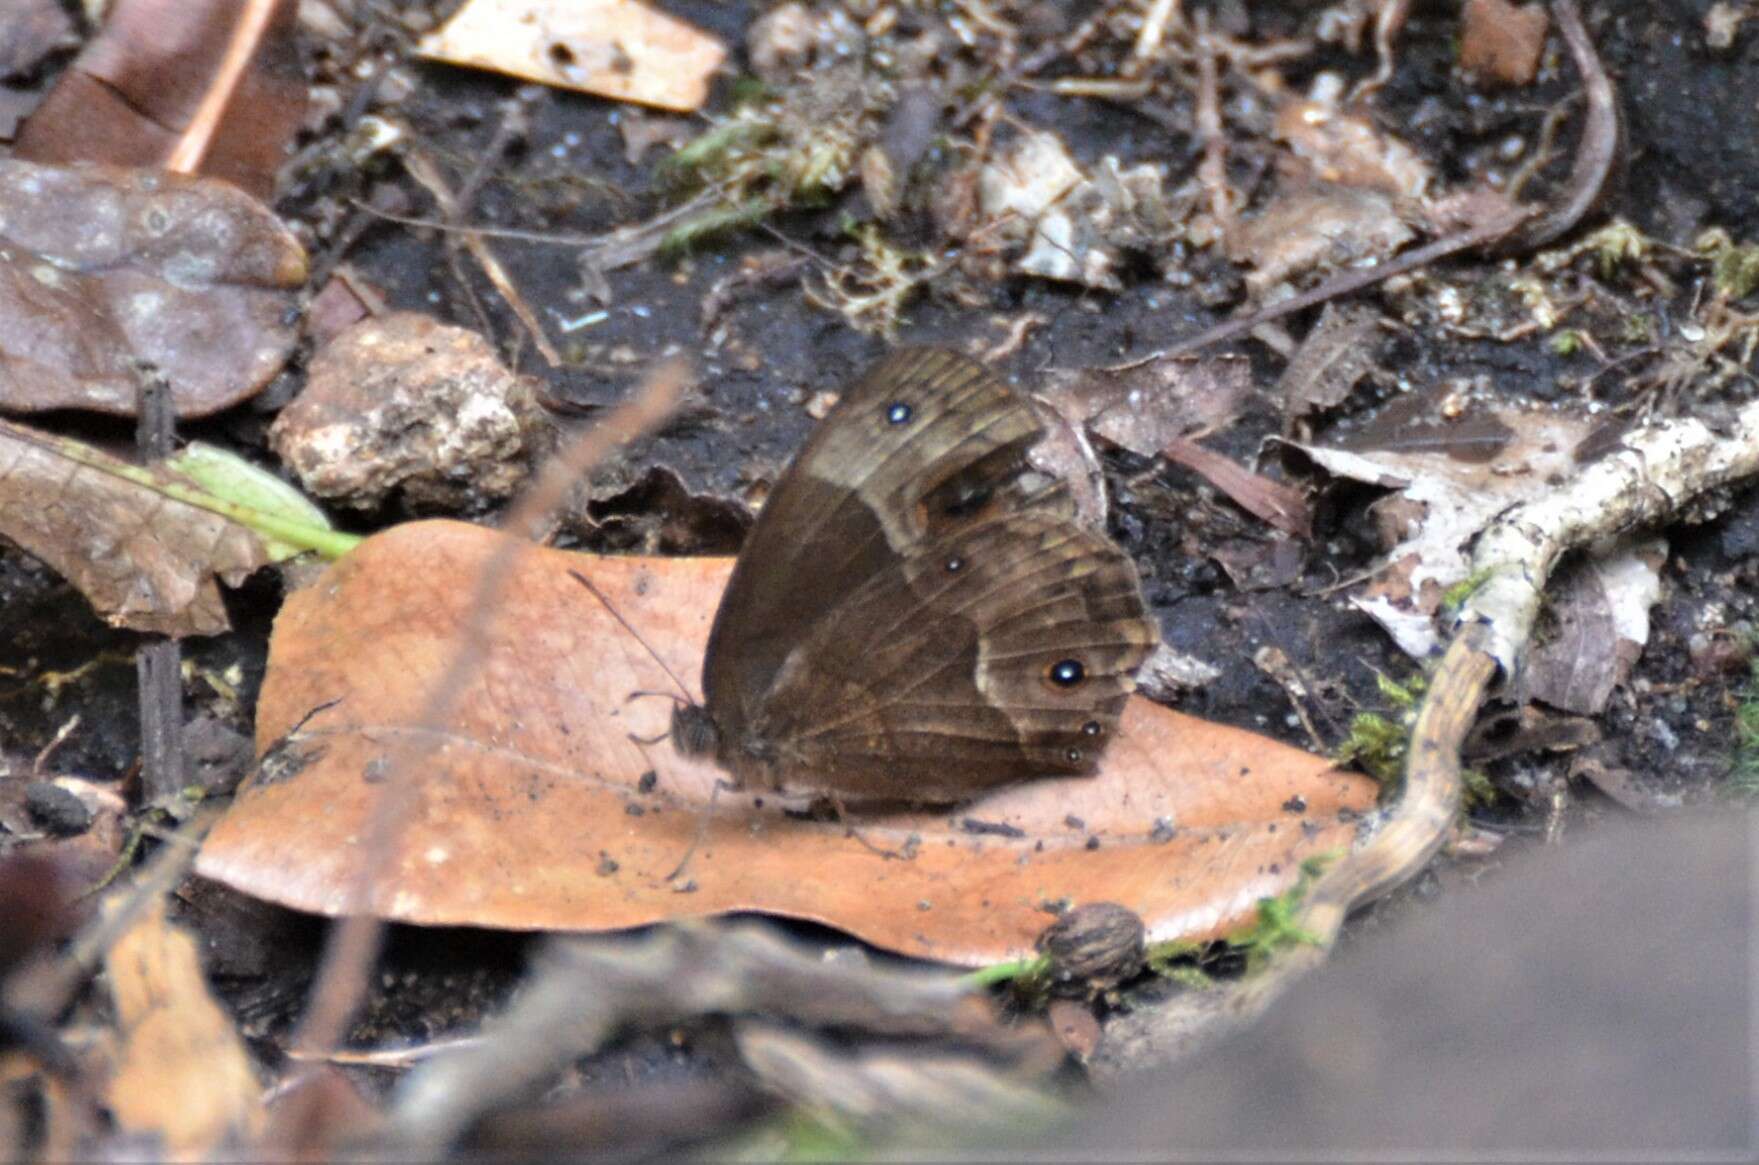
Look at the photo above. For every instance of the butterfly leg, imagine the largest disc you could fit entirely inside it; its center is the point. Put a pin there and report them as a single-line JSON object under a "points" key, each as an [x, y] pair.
{"points": [[702, 824], [907, 853]]}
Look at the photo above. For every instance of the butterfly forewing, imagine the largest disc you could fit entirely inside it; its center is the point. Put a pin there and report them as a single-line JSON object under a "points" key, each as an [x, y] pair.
{"points": [[928, 442]]}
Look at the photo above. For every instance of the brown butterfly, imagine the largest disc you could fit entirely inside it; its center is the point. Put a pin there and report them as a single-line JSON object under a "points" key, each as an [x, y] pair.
{"points": [[916, 616]]}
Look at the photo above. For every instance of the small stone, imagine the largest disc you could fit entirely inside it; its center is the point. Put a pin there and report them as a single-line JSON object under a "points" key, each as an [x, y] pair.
{"points": [[59, 811], [403, 404]]}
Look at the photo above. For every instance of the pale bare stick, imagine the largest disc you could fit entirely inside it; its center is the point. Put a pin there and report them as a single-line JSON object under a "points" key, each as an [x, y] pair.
{"points": [[353, 943]]}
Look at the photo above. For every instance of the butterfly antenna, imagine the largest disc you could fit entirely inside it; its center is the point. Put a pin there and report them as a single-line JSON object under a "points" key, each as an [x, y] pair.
{"points": [[627, 626]]}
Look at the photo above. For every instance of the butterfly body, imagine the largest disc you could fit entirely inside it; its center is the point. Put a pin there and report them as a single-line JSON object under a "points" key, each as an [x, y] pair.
{"points": [[916, 616]]}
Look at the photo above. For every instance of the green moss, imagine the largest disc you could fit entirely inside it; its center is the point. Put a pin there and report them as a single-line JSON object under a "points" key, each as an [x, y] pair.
{"points": [[711, 224], [1734, 267], [1276, 928], [783, 149], [1455, 596], [1378, 745], [1477, 789]]}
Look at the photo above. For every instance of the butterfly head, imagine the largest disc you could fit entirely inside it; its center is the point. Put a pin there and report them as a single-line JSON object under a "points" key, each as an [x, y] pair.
{"points": [[694, 732]]}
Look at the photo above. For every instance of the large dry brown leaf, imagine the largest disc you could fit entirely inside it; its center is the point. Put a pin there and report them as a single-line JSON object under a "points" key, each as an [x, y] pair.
{"points": [[184, 1074], [143, 559], [208, 87], [105, 269], [532, 815]]}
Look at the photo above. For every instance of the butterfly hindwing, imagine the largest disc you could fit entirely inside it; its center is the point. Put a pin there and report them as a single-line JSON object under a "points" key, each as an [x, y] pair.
{"points": [[1004, 650]]}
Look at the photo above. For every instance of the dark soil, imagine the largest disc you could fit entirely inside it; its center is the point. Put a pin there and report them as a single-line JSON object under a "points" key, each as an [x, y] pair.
{"points": [[1690, 161]]}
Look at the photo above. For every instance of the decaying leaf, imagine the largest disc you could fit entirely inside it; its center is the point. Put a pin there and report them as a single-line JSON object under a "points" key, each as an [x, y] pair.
{"points": [[1318, 224], [1331, 360], [403, 404], [135, 541], [1599, 624], [619, 49], [184, 1074], [1455, 465], [105, 269], [1348, 149], [1066, 224], [543, 808], [208, 87], [1144, 407]]}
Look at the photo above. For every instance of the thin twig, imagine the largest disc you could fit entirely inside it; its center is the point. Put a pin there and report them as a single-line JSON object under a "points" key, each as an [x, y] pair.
{"points": [[354, 942], [1596, 151]]}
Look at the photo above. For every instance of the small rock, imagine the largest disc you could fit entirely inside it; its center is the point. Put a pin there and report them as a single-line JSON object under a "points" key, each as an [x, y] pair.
{"points": [[404, 403], [59, 811]]}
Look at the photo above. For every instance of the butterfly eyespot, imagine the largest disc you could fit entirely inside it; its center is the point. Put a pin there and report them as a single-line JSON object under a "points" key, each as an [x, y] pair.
{"points": [[1073, 756], [1091, 728], [955, 564], [1066, 673], [897, 413]]}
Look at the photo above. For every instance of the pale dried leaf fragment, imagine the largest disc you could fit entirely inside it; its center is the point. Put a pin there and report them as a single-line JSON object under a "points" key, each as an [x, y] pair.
{"points": [[1453, 476], [184, 1074], [1348, 149], [1322, 224], [104, 269], [29, 31], [1064, 223], [143, 559], [618, 49]]}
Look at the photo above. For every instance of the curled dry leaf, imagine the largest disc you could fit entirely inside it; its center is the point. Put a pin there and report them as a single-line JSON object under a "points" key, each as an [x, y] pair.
{"points": [[184, 1074], [29, 31], [143, 558], [1599, 611], [105, 269], [1146, 406], [1350, 150], [619, 49], [542, 808], [208, 87]]}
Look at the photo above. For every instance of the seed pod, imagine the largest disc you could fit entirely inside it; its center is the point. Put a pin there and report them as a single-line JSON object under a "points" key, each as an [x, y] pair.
{"points": [[1097, 945]]}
